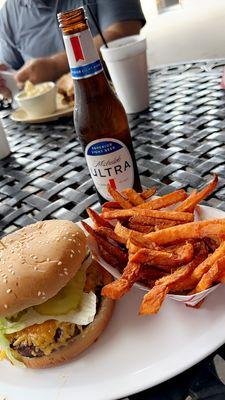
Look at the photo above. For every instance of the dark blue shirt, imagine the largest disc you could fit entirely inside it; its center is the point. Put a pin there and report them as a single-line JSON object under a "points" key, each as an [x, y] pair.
{"points": [[29, 28]]}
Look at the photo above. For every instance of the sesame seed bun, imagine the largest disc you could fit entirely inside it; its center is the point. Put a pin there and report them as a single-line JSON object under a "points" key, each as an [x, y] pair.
{"points": [[37, 261]]}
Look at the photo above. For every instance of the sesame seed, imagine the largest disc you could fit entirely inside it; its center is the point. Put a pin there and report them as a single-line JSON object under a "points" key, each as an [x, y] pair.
{"points": [[8, 290], [59, 263], [72, 251], [64, 237], [65, 269], [5, 280], [71, 255], [78, 251], [43, 297], [57, 239], [39, 293], [69, 240], [47, 259], [36, 268], [43, 293], [60, 274], [73, 234], [35, 257], [65, 272], [74, 241], [13, 272], [5, 305]]}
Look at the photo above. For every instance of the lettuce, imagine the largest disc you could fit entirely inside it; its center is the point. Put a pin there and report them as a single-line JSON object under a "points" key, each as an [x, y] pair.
{"points": [[83, 315]]}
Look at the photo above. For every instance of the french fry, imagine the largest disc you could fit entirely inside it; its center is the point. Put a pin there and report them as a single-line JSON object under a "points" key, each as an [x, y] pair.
{"points": [[190, 204], [118, 288], [150, 273], [153, 300], [109, 258], [98, 219], [187, 282], [148, 193], [140, 228], [183, 255], [203, 267], [164, 201], [158, 227], [171, 215], [139, 240], [192, 230], [109, 233], [132, 248], [187, 201], [138, 219], [123, 232], [109, 247], [134, 197], [211, 276], [111, 204], [119, 198]]}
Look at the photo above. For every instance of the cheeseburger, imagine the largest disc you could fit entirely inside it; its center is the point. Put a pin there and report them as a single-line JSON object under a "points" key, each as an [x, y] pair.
{"points": [[51, 307]]}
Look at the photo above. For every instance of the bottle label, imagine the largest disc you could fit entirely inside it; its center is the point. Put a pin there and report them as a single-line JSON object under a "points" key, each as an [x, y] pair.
{"points": [[82, 55], [109, 162]]}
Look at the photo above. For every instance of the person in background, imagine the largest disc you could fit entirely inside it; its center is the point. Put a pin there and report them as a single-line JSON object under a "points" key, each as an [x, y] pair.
{"points": [[31, 42]]}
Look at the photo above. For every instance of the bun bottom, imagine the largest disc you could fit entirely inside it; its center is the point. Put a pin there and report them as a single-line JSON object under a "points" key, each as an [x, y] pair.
{"points": [[78, 344]]}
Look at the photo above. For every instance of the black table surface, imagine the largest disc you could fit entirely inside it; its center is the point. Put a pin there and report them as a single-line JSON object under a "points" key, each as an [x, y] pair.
{"points": [[179, 143]]}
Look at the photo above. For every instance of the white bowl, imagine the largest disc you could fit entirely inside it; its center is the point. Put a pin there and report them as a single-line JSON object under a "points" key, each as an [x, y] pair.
{"points": [[40, 104]]}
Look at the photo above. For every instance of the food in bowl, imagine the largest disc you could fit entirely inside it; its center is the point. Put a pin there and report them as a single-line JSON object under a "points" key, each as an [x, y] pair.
{"points": [[51, 307], [38, 100], [31, 90]]}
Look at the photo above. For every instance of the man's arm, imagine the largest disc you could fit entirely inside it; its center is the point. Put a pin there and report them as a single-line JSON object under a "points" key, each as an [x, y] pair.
{"points": [[51, 68], [116, 18], [43, 69], [9, 54], [117, 31]]}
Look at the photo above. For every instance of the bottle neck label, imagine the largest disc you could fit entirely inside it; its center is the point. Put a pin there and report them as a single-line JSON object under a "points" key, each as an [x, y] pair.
{"points": [[82, 55], [109, 162]]}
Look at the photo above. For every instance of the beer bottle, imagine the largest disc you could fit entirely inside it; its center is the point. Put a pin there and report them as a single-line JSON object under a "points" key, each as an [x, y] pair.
{"points": [[99, 117]]}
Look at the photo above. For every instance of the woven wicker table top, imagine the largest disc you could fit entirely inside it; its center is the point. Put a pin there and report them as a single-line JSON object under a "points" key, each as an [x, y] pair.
{"points": [[179, 143]]}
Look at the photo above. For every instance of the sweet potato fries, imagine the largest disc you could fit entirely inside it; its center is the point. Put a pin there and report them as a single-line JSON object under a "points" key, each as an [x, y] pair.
{"points": [[160, 247]]}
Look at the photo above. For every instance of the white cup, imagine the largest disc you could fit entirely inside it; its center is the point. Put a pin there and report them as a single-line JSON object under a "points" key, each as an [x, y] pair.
{"points": [[4, 145], [127, 64]]}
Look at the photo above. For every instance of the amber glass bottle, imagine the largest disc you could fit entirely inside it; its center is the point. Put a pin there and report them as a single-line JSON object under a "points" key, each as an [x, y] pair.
{"points": [[99, 117]]}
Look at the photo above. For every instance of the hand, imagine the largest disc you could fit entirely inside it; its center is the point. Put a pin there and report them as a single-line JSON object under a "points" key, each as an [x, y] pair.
{"points": [[37, 71]]}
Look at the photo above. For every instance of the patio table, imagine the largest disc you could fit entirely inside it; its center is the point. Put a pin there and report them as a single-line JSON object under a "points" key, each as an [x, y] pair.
{"points": [[179, 143]]}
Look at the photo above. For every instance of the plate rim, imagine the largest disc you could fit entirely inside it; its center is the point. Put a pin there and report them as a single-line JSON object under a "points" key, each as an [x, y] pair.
{"points": [[45, 118]]}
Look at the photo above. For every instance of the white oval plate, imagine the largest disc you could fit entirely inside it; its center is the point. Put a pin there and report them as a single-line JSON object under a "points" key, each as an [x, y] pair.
{"points": [[134, 353], [63, 110]]}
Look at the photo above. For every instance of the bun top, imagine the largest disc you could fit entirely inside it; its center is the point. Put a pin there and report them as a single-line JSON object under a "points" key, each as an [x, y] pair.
{"points": [[37, 261]]}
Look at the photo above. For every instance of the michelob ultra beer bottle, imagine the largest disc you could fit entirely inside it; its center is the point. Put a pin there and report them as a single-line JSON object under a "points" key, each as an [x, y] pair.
{"points": [[99, 117]]}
